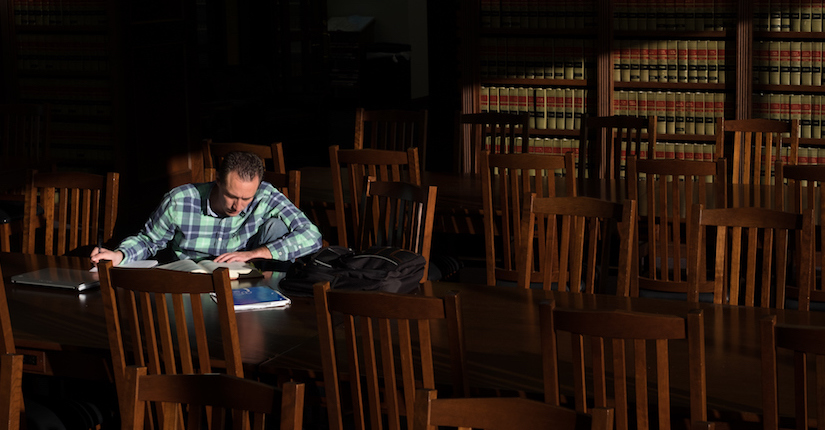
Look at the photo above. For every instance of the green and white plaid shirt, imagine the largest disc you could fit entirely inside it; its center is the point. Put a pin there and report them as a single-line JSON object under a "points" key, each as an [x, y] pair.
{"points": [[184, 222]]}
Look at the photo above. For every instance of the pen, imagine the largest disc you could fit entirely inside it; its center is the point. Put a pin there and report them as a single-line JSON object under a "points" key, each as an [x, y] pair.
{"points": [[99, 242]]}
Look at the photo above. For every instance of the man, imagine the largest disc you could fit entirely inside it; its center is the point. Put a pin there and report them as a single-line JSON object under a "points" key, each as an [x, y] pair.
{"points": [[236, 218]]}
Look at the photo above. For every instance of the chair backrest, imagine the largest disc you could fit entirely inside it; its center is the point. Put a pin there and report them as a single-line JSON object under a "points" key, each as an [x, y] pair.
{"points": [[397, 214], [506, 180], [371, 362], [145, 329], [502, 413], [748, 265], [755, 143], [670, 188], [24, 136], [11, 370], [272, 154], [634, 338], [78, 209], [567, 242], [499, 133], [805, 190], [392, 129], [605, 142], [351, 167], [807, 343], [212, 401]]}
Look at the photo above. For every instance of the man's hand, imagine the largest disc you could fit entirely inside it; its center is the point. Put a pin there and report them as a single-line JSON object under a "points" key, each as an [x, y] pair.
{"points": [[243, 256], [104, 254]]}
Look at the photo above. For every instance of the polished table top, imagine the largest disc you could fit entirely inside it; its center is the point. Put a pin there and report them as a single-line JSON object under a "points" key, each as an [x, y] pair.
{"points": [[500, 323]]}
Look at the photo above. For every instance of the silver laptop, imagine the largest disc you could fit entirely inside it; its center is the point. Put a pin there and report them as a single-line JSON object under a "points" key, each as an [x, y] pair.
{"points": [[67, 279]]}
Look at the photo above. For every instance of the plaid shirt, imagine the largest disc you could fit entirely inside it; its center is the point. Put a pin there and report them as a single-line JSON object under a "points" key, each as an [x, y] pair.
{"points": [[182, 219]]}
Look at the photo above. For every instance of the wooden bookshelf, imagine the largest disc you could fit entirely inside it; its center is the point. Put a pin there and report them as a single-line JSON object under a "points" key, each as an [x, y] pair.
{"points": [[741, 26]]}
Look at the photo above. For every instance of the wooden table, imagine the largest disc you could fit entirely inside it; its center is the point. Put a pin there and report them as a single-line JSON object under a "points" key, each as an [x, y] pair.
{"points": [[59, 329], [503, 345], [500, 323]]}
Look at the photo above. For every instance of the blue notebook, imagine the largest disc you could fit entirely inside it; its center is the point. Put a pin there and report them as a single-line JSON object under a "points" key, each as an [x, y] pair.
{"points": [[261, 297]]}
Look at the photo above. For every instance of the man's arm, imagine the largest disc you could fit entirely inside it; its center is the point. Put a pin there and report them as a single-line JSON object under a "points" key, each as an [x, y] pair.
{"points": [[154, 236]]}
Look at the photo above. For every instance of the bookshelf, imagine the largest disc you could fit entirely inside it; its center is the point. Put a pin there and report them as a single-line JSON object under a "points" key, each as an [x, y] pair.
{"points": [[687, 61], [61, 54]]}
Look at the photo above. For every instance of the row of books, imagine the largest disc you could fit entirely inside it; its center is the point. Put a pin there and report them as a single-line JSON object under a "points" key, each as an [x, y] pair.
{"points": [[674, 15], [79, 97], [60, 12], [806, 108], [788, 62], [549, 108], [538, 14], [69, 52], [788, 15], [676, 112], [536, 58], [82, 142], [687, 61]]}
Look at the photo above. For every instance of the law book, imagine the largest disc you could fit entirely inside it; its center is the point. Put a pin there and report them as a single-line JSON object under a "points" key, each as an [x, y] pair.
{"points": [[672, 56], [661, 112], [761, 15], [795, 12], [712, 54], [484, 99], [816, 119], [775, 16], [693, 61], [236, 269], [721, 61], [670, 112], [682, 61], [644, 61], [805, 15], [805, 69], [699, 107], [578, 60], [635, 60], [689, 15], [642, 105], [255, 298], [796, 107], [795, 62], [662, 60], [531, 107], [621, 102], [773, 58], [679, 113], [568, 109], [521, 99], [632, 103], [784, 63], [816, 63], [806, 109], [617, 62], [785, 23], [559, 53], [775, 110], [653, 61], [624, 60], [816, 16], [689, 113], [504, 100], [493, 99]]}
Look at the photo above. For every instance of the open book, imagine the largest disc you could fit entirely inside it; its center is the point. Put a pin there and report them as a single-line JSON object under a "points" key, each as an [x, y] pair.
{"points": [[236, 269]]}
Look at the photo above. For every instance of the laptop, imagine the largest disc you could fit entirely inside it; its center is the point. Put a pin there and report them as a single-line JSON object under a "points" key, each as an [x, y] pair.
{"points": [[67, 279]]}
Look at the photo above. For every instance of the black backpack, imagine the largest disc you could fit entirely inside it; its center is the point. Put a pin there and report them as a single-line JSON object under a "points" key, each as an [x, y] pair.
{"points": [[382, 268]]}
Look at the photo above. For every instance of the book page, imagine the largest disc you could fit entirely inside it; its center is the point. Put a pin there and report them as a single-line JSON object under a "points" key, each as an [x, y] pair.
{"points": [[236, 269], [184, 266]]}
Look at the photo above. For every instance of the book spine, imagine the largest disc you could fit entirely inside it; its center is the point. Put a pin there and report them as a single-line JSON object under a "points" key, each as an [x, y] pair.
{"points": [[693, 61], [795, 65]]}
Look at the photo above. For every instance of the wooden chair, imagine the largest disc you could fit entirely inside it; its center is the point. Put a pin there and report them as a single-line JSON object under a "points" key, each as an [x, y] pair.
{"points": [[752, 254], [634, 338], [498, 133], [807, 343], [24, 136], [392, 129], [11, 370], [78, 209], [272, 154], [213, 400], [397, 214], [670, 188], [144, 307], [572, 243], [351, 167], [755, 141], [502, 413], [606, 141], [506, 179], [371, 361], [805, 190], [13, 185]]}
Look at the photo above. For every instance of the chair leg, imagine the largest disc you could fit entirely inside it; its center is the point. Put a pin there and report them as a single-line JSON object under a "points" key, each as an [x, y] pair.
{"points": [[5, 237]]}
